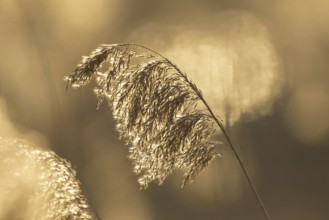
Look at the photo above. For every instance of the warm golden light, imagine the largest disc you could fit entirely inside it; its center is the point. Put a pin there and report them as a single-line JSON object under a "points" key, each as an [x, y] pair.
{"points": [[262, 65], [232, 60]]}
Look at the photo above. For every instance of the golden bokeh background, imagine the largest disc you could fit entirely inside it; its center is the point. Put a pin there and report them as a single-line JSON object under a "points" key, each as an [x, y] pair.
{"points": [[262, 65]]}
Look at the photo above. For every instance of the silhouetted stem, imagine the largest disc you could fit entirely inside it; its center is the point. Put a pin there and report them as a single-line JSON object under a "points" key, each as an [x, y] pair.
{"points": [[222, 128], [252, 186]]}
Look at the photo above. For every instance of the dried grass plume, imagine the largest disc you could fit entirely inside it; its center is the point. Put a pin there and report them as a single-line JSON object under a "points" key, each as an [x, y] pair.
{"points": [[161, 114], [37, 184], [155, 106]]}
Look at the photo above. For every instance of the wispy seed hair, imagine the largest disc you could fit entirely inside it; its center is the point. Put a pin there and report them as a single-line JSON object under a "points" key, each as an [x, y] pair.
{"points": [[155, 106], [55, 191]]}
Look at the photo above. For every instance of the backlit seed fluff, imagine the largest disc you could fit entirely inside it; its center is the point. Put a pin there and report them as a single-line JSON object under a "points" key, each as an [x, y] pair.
{"points": [[43, 181], [156, 109]]}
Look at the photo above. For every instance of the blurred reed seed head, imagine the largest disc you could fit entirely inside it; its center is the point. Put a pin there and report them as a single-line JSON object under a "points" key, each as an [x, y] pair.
{"points": [[38, 184], [156, 109]]}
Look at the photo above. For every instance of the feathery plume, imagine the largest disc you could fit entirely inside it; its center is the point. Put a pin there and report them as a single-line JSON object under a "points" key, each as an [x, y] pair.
{"points": [[155, 106], [41, 180]]}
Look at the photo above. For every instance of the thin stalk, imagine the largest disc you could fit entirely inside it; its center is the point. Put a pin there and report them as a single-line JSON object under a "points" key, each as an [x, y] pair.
{"points": [[252, 186], [222, 128]]}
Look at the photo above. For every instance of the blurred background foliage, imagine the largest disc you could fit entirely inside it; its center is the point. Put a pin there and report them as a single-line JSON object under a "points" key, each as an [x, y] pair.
{"points": [[263, 65]]}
